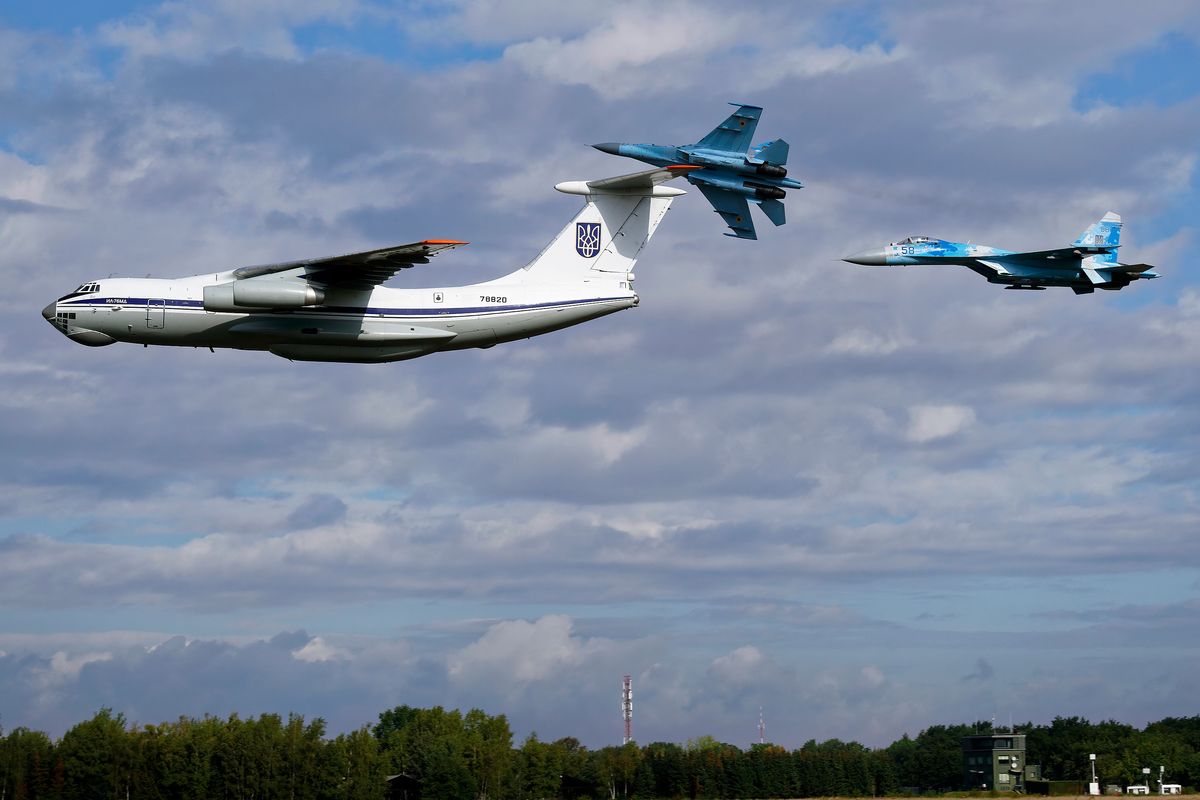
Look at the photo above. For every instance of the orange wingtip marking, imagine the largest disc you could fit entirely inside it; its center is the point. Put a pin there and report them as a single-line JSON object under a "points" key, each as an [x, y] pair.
{"points": [[443, 241], [683, 168]]}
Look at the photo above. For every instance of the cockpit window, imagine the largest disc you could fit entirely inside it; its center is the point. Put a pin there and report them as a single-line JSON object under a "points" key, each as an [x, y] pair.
{"points": [[87, 288], [916, 240]]}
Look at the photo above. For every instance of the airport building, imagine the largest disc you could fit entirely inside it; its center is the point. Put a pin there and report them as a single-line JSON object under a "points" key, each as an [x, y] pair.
{"points": [[996, 762]]}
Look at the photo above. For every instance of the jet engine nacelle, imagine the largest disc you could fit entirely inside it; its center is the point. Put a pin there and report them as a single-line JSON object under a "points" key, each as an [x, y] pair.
{"points": [[261, 293], [771, 170], [765, 192]]}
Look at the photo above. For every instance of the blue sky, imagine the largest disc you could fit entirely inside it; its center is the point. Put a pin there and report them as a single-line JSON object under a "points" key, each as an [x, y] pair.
{"points": [[865, 500]]}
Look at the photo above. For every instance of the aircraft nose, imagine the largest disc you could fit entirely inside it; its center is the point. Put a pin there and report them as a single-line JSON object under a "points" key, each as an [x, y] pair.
{"points": [[49, 311], [612, 148], [868, 258]]}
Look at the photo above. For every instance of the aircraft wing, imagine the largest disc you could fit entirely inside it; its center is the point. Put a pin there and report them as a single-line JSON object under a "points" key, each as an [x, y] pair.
{"points": [[1128, 267], [736, 133], [1060, 254], [733, 208], [357, 270], [643, 180]]}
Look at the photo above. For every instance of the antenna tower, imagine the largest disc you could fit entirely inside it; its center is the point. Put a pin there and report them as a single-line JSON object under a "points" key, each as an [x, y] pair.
{"points": [[762, 728], [627, 707]]}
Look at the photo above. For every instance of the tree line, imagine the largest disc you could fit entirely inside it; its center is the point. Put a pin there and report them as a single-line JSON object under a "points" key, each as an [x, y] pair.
{"points": [[439, 754]]}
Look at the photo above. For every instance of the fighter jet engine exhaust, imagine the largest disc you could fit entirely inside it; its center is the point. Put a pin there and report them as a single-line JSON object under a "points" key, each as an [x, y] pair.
{"points": [[771, 170], [766, 192]]}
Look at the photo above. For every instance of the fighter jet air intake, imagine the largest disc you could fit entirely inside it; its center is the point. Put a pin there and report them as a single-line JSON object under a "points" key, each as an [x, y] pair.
{"points": [[722, 169], [1090, 262], [335, 309]]}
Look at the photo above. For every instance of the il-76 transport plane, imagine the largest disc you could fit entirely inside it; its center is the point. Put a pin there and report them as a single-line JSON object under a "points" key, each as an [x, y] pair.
{"points": [[335, 309], [1090, 262]]}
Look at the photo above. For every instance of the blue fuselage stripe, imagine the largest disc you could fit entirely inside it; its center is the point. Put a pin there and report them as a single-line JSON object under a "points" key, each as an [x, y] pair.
{"points": [[179, 305]]}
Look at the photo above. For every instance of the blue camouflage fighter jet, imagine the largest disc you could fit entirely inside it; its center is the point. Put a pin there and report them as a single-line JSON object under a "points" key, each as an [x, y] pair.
{"points": [[725, 170], [1090, 262]]}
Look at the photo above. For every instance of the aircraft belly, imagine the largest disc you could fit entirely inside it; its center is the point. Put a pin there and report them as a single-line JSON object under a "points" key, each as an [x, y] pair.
{"points": [[523, 324]]}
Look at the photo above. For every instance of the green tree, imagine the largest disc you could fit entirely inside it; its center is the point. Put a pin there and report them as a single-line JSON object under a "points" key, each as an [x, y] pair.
{"points": [[25, 757], [96, 758], [667, 766], [539, 769], [616, 769], [488, 751], [362, 766]]}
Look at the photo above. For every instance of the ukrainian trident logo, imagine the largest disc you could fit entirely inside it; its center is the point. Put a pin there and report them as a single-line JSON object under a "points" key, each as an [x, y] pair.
{"points": [[587, 238]]}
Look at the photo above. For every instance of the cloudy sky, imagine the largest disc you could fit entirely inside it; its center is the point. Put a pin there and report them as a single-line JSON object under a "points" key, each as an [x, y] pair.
{"points": [[867, 501]]}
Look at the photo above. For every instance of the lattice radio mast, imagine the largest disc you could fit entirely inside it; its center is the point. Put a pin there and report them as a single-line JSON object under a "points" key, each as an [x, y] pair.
{"points": [[762, 728], [627, 707]]}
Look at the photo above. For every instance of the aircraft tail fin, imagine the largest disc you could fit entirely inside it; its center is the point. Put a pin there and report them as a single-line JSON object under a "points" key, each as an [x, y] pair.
{"points": [[607, 235], [1105, 233], [772, 152], [736, 133]]}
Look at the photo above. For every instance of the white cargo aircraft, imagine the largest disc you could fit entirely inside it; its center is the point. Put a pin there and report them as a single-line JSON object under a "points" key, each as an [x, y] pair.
{"points": [[336, 309]]}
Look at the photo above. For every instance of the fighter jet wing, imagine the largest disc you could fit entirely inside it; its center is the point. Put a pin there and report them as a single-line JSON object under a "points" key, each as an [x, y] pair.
{"points": [[357, 270], [1059, 254], [736, 133], [1129, 267], [733, 208]]}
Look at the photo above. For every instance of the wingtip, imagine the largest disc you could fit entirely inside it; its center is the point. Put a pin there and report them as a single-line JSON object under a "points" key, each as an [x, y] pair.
{"points": [[443, 242]]}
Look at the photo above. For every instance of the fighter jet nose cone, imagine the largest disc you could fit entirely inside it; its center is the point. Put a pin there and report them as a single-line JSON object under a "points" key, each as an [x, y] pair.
{"points": [[48, 312], [868, 258], [612, 148]]}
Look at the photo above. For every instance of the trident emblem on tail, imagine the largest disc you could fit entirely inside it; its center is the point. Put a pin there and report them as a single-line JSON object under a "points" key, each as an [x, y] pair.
{"points": [[587, 238]]}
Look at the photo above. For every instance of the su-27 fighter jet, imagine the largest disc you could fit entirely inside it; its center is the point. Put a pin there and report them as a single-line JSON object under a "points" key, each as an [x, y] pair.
{"points": [[722, 169], [335, 309], [1090, 263]]}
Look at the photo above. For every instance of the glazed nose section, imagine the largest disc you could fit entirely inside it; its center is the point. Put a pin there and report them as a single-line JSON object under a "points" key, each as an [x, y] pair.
{"points": [[612, 148], [868, 258], [49, 311]]}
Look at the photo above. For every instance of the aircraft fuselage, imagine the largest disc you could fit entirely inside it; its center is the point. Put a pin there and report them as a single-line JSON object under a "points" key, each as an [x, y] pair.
{"points": [[380, 324]]}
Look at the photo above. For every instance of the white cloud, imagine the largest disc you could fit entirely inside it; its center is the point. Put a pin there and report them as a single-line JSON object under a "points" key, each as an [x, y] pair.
{"points": [[927, 423], [318, 649], [522, 651], [64, 668], [639, 47], [864, 342], [196, 30]]}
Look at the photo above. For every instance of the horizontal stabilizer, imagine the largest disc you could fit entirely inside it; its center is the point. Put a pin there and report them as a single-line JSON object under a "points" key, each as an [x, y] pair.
{"points": [[1130, 267], [638, 183], [774, 210], [773, 152], [733, 208]]}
